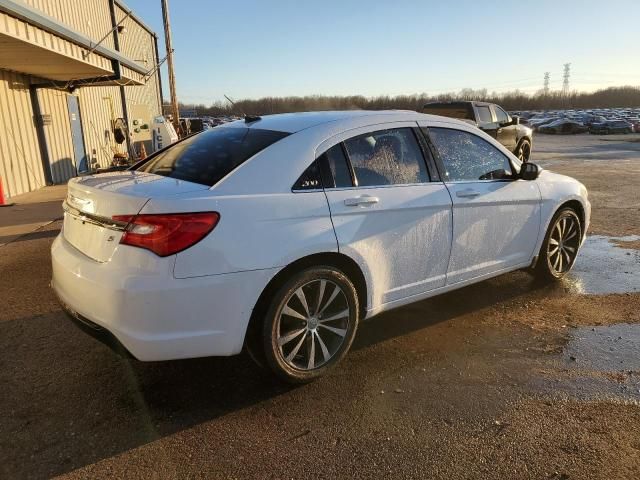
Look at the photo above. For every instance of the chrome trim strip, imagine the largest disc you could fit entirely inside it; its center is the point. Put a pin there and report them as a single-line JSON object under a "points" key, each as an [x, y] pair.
{"points": [[84, 217]]}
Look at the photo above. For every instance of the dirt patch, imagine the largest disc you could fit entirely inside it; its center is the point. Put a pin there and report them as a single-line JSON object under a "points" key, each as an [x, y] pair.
{"points": [[629, 244], [609, 169]]}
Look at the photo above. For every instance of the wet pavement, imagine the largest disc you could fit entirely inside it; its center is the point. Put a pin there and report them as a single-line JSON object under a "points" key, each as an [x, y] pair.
{"points": [[605, 266]]}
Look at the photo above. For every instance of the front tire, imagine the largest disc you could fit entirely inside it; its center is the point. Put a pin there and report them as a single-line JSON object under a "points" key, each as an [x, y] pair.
{"points": [[523, 152], [310, 324], [560, 246]]}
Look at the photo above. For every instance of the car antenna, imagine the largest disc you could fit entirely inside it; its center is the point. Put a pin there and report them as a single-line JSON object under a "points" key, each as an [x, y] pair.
{"points": [[247, 118]]}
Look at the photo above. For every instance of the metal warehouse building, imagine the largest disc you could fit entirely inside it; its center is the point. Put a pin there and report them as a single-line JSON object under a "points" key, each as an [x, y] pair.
{"points": [[68, 70]]}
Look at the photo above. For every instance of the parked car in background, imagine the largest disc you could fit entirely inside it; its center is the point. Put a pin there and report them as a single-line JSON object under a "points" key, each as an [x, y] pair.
{"points": [[599, 118], [280, 234], [536, 123], [635, 124], [611, 126], [196, 125], [492, 119], [563, 126]]}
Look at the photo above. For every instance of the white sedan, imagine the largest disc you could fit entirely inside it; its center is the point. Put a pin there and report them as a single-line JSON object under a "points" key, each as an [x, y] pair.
{"points": [[279, 234]]}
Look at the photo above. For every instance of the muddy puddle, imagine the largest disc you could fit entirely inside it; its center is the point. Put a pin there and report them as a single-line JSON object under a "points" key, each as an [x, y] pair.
{"points": [[612, 348], [600, 363], [605, 266]]}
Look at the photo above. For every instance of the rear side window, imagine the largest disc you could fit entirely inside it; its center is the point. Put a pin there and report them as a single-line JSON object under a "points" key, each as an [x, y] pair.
{"points": [[330, 170], [337, 162], [311, 179], [484, 114], [209, 156], [451, 110], [387, 157]]}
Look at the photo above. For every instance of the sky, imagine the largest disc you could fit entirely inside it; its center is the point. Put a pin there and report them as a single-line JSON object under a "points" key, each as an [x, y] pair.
{"points": [[256, 48]]}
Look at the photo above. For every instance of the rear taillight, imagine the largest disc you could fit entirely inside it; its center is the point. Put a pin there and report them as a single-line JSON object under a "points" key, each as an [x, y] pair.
{"points": [[166, 234]]}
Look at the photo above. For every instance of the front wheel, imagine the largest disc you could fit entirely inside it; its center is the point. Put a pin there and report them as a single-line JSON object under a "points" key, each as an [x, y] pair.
{"points": [[524, 151], [310, 324], [560, 246]]}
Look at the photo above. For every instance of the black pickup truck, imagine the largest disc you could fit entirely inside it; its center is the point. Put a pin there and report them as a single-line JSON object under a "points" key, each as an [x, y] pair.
{"points": [[492, 119]]}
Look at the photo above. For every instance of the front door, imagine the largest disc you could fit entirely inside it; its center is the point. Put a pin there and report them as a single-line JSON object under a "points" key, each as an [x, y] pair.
{"points": [[392, 217], [507, 133], [81, 161], [496, 217]]}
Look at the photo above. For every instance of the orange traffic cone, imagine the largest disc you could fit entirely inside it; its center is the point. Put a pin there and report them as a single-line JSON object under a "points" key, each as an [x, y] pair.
{"points": [[3, 203], [142, 153]]}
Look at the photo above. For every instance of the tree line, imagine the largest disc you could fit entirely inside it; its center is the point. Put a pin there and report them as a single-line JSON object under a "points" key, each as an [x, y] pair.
{"points": [[626, 96]]}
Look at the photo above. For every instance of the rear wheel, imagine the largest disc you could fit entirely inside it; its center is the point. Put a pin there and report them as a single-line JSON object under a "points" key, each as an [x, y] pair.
{"points": [[310, 324], [523, 151], [560, 247]]}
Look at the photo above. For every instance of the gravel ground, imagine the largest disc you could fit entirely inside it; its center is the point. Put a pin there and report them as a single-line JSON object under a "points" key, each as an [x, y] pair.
{"points": [[504, 379]]}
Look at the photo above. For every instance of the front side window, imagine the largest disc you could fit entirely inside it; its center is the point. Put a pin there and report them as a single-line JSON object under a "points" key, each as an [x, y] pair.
{"points": [[501, 115], [386, 157], [466, 156], [209, 156]]}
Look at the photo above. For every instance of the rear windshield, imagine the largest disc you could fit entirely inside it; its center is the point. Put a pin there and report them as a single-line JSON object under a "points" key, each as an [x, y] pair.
{"points": [[449, 110], [209, 156]]}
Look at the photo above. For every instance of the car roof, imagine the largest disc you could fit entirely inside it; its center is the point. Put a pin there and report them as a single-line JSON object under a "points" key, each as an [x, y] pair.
{"points": [[295, 122]]}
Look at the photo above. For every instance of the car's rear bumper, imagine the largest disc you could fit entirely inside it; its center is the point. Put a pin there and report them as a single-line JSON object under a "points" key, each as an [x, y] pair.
{"points": [[156, 317]]}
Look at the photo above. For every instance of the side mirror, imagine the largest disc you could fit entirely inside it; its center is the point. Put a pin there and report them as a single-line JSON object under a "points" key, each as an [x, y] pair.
{"points": [[515, 120], [529, 171]]}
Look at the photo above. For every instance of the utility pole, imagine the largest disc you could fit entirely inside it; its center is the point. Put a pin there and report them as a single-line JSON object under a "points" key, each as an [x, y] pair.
{"points": [[546, 83], [175, 112]]}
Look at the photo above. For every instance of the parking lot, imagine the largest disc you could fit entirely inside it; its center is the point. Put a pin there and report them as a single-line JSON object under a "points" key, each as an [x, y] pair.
{"points": [[504, 379]]}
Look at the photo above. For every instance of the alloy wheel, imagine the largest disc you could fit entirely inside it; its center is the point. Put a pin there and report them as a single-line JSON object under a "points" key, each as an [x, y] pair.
{"points": [[524, 151], [564, 242], [313, 324]]}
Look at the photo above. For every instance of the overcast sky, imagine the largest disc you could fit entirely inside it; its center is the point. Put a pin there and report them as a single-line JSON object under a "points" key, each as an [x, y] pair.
{"points": [[254, 48]]}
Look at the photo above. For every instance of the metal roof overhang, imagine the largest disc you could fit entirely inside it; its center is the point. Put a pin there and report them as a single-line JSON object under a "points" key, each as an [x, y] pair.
{"points": [[65, 60]]}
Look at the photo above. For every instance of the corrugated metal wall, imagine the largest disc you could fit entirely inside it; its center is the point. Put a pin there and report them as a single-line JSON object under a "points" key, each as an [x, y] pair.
{"points": [[139, 45], [18, 29], [20, 161], [89, 17], [95, 111], [58, 134]]}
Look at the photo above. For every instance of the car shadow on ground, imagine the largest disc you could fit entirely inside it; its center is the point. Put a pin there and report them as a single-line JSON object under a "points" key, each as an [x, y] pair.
{"points": [[71, 401]]}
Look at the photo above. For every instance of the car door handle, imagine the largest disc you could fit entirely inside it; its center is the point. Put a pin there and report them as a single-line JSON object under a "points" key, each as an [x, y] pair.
{"points": [[362, 200], [468, 193]]}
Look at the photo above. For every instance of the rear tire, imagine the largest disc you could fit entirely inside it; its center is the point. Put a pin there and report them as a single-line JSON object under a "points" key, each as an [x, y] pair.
{"points": [[309, 324], [560, 246]]}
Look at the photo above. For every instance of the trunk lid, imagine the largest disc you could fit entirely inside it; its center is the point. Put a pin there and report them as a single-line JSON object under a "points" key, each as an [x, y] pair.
{"points": [[92, 201]]}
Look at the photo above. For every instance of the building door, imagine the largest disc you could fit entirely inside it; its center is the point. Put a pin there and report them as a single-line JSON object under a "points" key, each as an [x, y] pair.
{"points": [[82, 163]]}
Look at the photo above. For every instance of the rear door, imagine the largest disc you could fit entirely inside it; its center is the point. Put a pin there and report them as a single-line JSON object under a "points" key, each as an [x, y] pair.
{"points": [[387, 212], [496, 217]]}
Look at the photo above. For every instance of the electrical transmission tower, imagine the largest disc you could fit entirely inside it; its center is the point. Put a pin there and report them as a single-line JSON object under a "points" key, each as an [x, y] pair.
{"points": [[565, 79], [545, 89]]}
